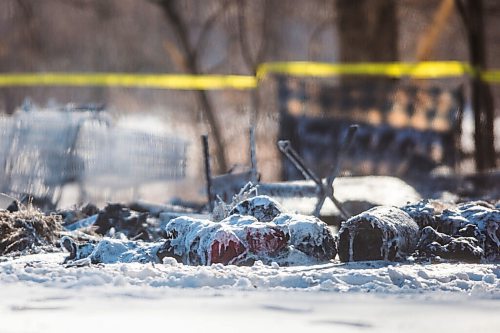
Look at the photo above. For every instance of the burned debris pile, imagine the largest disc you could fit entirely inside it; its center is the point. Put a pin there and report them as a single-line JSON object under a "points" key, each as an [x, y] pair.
{"points": [[468, 231], [257, 229], [426, 230], [28, 231], [381, 233], [114, 220]]}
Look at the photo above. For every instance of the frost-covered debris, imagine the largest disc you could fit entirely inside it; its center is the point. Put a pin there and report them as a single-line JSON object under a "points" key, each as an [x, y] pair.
{"points": [[424, 212], [309, 235], [119, 218], [108, 251], [288, 239], [115, 220], [262, 207], [468, 231], [482, 214], [202, 242], [72, 216], [435, 244], [381, 233], [222, 209], [28, 231], [257, 230]]}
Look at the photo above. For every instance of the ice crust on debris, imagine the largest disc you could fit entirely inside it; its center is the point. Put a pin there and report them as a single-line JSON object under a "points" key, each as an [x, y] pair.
{"points": [[288, 239], [202, 242], [381, 233], [110, 251], [309, 235], [259, 230], [262, 207], [263, 234], [479, 213], [424, 212], [468, 231]]}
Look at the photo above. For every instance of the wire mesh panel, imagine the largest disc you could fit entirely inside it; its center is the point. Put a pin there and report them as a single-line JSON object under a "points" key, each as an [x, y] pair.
{"points": [[40, 155], [41, 151], [116, 157], [6, 132]]}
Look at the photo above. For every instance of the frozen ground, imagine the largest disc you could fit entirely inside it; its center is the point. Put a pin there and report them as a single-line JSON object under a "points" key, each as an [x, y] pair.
{"points": [[38, 294]]}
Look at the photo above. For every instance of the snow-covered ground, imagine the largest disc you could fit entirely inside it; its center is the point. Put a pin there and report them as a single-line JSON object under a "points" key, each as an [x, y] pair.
{"points": [[39, 294]]}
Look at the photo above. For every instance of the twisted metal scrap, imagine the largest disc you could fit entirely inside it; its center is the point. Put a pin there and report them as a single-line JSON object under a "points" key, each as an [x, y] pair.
{"points": [[324, 187]]}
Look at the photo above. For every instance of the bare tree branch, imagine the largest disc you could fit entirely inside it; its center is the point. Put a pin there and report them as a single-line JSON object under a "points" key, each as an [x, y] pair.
{"points": [[80, 4], [208, 26], [459, 4], [252, 62], [318, 30], [175, 55], [180, 29], [264, 38], [244, 44], [217, 67]]}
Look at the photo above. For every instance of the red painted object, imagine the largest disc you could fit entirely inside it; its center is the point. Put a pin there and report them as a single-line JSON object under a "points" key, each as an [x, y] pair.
{"points": [[267, 241], [224, 252]]}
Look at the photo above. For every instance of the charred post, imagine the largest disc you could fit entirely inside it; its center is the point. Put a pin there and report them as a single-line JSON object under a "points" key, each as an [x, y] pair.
{"points": [[208, 173]]}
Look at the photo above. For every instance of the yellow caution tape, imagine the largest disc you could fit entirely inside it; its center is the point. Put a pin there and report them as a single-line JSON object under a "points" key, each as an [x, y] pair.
{"points": [[421, 70], [491, 76], [431, 69], [160, 81]]}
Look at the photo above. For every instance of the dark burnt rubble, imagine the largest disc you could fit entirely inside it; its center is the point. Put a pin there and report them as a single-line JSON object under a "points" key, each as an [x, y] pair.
{"points": [[28, 231], [114, 220], [381, 233], [429, 229], [467, 231], [256, 230]]}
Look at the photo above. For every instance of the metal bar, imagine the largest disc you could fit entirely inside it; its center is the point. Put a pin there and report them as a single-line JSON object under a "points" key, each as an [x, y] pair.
{"points": [[324, 188], [343, 212], [253, 157], [286, 148], [208, 174], [319, 204], [341, 154]]}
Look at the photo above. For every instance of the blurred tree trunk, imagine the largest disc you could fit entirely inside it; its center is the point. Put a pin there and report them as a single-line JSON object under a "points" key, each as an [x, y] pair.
{"points": [[24, 15], [181, 31], [253, 50], [472, 14], [367, 30], [428, 40]]}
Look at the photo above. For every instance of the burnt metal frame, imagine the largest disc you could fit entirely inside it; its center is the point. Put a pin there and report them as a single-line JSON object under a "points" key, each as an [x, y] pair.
{"points": [[324, 187]]}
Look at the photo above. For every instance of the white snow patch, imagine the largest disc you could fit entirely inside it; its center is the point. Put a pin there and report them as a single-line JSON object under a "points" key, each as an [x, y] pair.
{"points": [[377, 276], [40, 294], [378, 190]]}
